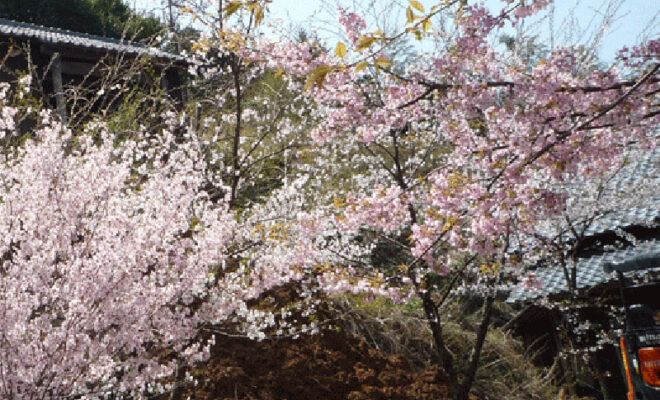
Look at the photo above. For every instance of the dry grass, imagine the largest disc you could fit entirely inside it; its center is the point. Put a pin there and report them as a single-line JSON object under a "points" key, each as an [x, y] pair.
{"points": [[505, 372]]}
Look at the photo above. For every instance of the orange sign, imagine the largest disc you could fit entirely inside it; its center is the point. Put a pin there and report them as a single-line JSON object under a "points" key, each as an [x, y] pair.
{"points": [[649, 360]]}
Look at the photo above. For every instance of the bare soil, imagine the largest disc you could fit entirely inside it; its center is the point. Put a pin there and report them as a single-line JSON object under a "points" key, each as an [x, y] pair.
{"points": [[331, 365]]}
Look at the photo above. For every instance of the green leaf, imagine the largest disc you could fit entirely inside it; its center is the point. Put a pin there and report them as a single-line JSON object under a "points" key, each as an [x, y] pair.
{"points": [[252, 5], [232, 8], [340, 50], [426, 25], [361, 65], [417, 5], [317, 76], [258, 15], [383, 62], [365, 42], [410, 15]]}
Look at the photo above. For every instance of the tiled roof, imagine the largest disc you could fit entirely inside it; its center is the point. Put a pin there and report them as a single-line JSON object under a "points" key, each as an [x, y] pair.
{"points": [[589, 272], [62, 37], [624, 218], [644, 172]]}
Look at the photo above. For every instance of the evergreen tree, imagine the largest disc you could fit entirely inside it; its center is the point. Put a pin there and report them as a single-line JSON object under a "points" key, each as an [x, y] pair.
{"points": [[111, 18]]}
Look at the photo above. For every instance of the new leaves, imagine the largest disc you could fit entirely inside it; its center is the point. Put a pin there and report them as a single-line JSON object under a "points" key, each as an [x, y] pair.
{"points": [[417, 5], [424, 20], [255, 7], [340, 50], [318, 75]]}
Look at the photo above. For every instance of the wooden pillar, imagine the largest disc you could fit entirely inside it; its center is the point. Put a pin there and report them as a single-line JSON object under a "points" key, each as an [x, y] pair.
{"points": [[58, 87], [164, 83]]}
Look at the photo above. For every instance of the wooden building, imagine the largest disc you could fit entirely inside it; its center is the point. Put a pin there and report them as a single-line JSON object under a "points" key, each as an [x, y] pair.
{"points": [[62, 58], [615, 237]]}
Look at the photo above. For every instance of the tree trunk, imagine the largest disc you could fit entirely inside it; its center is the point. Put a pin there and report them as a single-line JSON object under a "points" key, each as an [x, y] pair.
{"points": [[58, 87], [446, 359], [466, 384], [600, 377], [236, 167], [567, 371], [176, 392]]}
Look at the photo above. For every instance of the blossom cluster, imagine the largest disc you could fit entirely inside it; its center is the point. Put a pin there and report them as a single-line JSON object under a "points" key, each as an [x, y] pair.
{"points": [[494, 141]]}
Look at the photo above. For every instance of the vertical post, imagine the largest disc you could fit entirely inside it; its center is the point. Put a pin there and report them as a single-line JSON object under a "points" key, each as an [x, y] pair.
{"points": [[171, 23], [164, 82], [170, 15], [58, 87], [220, 9], [622, 293]]}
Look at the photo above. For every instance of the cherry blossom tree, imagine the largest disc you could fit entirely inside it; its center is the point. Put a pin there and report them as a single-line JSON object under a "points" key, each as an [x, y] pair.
{"points": [[103, 255], [458, 157], [117, 265], [116, 256]]}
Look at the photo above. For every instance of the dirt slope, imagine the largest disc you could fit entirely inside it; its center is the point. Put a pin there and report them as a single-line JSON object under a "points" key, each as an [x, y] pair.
{"points": [[332, 365]]}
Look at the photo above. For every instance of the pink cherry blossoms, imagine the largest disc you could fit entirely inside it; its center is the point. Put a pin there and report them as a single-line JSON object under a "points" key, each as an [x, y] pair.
{"points": [[120, 259], [101, 263], [497, 135]]}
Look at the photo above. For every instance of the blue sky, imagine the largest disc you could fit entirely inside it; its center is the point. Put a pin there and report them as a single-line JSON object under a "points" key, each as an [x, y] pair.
{"points": [[634, 17]]}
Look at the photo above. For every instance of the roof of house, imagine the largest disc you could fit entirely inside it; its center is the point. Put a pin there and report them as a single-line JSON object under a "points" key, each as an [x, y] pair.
{"points": [[589, 272], [61, 37], [641, 173]]}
